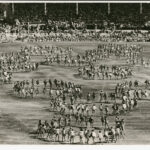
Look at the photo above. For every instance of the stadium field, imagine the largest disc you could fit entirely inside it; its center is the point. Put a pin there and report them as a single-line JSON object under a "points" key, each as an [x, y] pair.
{"points": [[19, 117]]}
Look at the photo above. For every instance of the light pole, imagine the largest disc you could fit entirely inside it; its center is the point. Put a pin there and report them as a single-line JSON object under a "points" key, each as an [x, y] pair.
{"points": [[108, 8], [77, 9], [45, 8], [13, 8], [141, 8]]}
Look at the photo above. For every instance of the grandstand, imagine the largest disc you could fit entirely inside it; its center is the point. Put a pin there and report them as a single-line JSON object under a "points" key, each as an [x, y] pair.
{"points": [[123, 15]]}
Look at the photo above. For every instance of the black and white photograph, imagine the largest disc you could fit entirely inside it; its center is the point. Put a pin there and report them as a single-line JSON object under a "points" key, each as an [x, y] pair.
{"points": [[74, 73]]}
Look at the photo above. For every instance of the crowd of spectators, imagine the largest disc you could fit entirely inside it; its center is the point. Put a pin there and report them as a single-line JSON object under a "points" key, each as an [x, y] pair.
{"points": [[123, 15], [93, 22]]}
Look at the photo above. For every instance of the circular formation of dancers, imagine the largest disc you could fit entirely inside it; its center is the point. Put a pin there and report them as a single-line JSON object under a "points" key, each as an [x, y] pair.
{"points": [[79, 116]]}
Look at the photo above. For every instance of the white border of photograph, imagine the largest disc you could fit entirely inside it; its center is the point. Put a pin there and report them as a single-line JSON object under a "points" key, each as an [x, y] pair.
{"points": [[73, 147]]}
